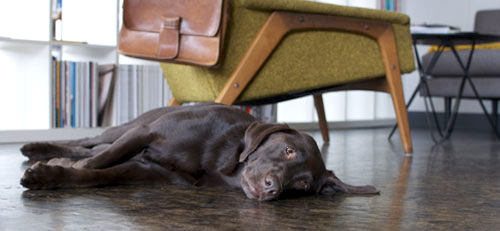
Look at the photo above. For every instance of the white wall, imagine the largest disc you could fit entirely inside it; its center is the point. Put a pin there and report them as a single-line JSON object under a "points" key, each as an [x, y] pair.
{"points": [[452, 12]]}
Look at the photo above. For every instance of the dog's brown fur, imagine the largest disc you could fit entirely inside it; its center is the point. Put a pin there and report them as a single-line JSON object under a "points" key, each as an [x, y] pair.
{"points": [[196, 145]]}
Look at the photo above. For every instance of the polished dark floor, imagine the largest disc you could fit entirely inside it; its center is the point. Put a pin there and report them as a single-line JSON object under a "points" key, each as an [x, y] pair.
{"points": [[454, 186]]}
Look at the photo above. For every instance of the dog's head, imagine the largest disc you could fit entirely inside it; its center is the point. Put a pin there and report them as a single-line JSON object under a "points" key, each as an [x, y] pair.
{"points": [[278, 158]]}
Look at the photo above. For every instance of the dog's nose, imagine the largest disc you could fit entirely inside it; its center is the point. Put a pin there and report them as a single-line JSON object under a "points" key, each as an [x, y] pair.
{"points": [[271, 186]]}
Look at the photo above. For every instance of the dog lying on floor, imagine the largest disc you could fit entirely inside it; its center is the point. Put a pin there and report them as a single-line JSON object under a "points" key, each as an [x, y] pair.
{"points": [[203, 145]]}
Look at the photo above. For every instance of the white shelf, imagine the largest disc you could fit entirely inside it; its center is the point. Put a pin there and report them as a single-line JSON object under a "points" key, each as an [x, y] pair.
{"points": [[82, 52], [27, 50], [8, 42], [83, 45], [5, 41]]}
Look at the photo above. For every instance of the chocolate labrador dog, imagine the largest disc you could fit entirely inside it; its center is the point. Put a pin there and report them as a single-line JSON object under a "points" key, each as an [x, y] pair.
{"points": [[203, 145]]}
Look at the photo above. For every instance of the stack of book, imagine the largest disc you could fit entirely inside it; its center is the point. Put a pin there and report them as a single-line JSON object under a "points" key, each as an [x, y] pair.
{"points": [[433, 29], [74, 94], [138, 88], [88, 95]]}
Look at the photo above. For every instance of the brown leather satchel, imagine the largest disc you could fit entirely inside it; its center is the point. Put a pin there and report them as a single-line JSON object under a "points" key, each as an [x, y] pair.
{"points": [[180, 31]]}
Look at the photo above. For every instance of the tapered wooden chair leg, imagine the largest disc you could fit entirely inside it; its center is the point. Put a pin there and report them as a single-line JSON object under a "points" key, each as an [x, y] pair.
{"points": [[388, 50], [402, 118], [320, 109]]}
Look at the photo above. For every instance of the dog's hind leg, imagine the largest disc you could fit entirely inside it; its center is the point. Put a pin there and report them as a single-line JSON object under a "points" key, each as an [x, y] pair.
{"points": [[45, 151], [73, 149], [111, 134], [108, 136], [124, 148], [70, 160], [49, 150], [44, 176]]}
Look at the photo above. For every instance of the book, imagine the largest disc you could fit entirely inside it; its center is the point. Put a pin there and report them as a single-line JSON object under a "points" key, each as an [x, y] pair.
{"points": [[433, 29], [73, 95]]}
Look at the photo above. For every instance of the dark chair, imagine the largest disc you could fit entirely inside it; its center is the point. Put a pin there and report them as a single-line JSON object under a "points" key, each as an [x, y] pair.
{"points": [[446, 75]]}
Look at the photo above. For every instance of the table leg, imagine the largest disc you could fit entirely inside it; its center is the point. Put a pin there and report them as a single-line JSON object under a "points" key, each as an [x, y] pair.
{"points": [[422, 81], [447, 109], [494, 111], [476, 94]]}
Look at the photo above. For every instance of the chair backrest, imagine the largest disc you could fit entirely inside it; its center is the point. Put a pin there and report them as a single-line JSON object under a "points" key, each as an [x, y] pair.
{"points": [[487, 22]]}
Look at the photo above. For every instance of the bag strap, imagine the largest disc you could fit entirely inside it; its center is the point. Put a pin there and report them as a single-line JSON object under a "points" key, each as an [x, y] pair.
{"points": [[168, 44]]}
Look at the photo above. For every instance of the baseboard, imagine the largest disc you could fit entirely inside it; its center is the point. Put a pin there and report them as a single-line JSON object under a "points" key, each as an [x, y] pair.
{"points": [[465, 121], [345, 124], [56, 134]]}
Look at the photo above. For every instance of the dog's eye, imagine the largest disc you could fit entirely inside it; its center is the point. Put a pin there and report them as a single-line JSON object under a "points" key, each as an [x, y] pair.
{"points": [[290, 152]]}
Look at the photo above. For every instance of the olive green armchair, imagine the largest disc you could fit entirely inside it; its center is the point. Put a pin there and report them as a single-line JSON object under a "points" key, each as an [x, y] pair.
{"points": [[277, 50]]}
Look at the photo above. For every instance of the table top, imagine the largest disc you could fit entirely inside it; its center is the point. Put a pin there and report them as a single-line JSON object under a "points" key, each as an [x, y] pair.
{"points": [[449, 39]]}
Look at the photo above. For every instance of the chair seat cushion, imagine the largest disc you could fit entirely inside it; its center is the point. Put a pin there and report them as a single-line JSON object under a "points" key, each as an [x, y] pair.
{"points": [[303, 61], [485, 62], [487, 87], [323, 8]]}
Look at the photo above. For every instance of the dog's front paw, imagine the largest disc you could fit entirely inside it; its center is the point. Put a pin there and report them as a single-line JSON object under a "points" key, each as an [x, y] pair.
{"points": [[43, 176]]}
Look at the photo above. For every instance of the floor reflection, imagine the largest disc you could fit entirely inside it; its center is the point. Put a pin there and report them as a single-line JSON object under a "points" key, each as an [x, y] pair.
{"points": [[174, 207], [397, 201]]}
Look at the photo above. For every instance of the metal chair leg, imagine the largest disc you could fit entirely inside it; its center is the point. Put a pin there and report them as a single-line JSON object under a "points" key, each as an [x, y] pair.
{"points": [[494, 112], [447, 109]]}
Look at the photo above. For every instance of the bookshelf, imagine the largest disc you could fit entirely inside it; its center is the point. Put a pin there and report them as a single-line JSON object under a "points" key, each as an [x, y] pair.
{"points": [[80, 31]]}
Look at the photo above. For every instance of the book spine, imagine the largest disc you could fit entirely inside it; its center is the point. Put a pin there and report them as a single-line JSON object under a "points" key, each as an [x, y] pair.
{"points": [[95, 89], [63, 94], [78, 111], [58, 94], [87, 96], [91, 94], [73, 94]]}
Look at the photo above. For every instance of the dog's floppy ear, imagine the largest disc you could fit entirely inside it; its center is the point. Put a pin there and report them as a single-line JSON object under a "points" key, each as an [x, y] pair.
{"points": [[258, 132], [331, 184]]}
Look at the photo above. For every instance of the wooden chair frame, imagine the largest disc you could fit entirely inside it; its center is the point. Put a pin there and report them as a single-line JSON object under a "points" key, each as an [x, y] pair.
{"points": [[281, 23]]}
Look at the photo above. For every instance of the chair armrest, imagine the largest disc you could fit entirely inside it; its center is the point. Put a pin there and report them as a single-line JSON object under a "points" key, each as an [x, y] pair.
{"points": [[323, 8]]}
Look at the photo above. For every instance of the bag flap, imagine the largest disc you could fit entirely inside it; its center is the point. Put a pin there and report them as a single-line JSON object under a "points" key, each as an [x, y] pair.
{"points": [[198, 17]]}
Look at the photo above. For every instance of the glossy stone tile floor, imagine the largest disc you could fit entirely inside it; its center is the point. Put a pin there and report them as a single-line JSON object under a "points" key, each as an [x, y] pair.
{"points": [[454, 186]]}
